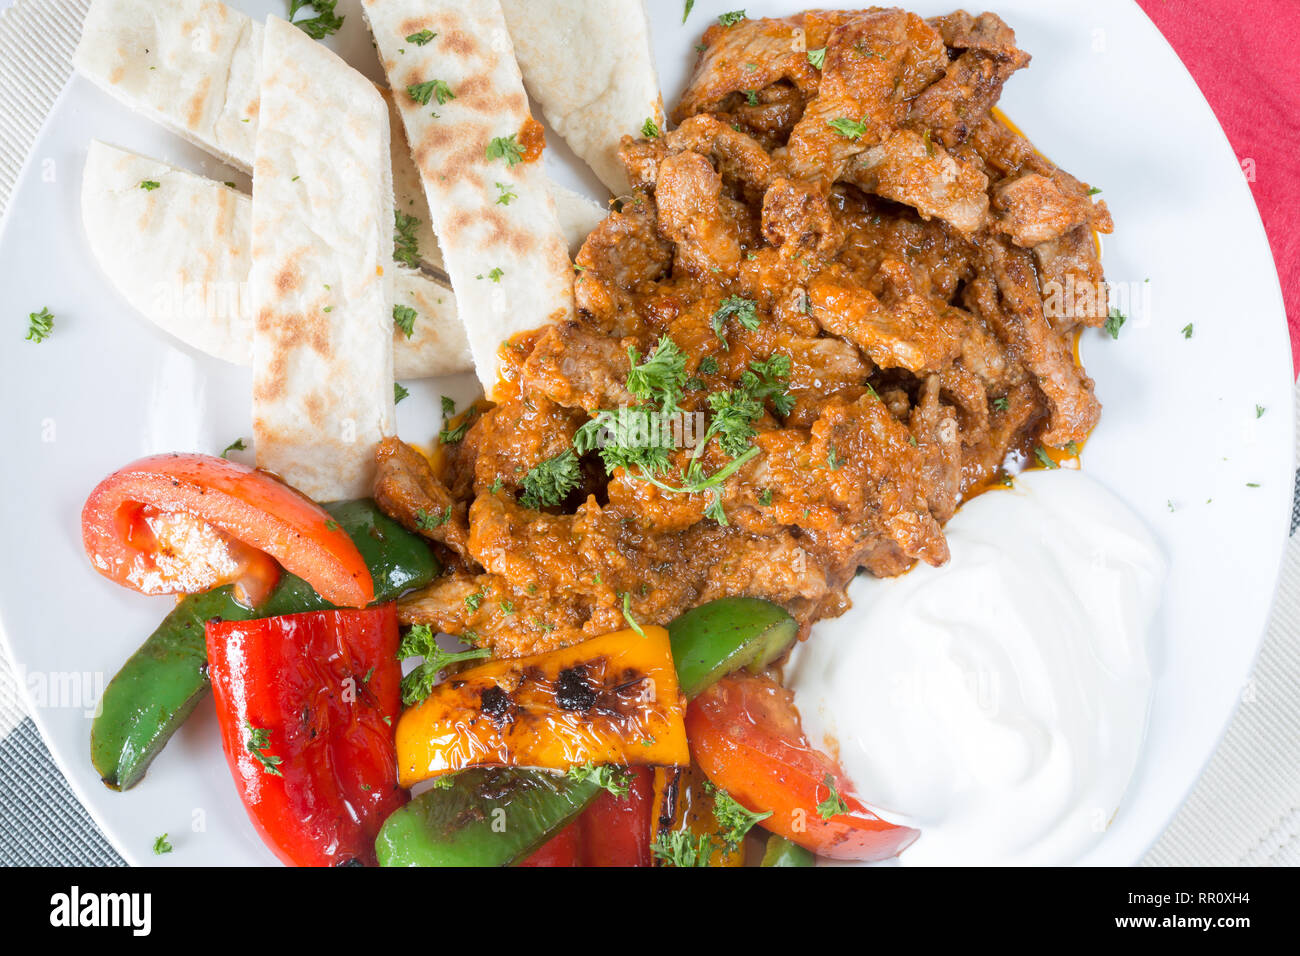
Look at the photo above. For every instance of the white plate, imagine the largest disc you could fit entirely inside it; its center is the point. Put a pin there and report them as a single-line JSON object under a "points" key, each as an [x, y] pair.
{"points": [[1105, 97]]}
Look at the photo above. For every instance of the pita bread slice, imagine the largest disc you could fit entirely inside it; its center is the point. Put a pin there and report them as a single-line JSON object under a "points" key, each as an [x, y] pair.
{"points": [[590, 67], [192, 66], [179, 254], [320, 283], [466, 117]]}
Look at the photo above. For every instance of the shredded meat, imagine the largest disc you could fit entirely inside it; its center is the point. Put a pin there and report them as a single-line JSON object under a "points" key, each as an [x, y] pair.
{"points": [[874, 235]]}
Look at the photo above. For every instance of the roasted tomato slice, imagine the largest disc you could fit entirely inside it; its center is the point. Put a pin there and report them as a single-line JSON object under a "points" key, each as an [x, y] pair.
{"points": [[745, 734], [306, 704], [179, 524]]}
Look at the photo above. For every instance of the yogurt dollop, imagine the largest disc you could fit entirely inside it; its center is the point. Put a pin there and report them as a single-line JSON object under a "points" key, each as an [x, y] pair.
{"points": [[998, 703]]}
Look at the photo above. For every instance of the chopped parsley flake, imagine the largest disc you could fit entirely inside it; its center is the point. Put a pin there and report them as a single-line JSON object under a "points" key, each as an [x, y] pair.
{"points": [[507, 148], [236, 445], [1114, 322], [734, 820], [1045, 459], [617, 780], [817, 57], [420, 641], [742, 309], [39, 325], [421, 38], [1187, 330], [650, 129], [505, 194], [406, 247], [259, 739], [399, 392], [149, 185], [320, 26], [404, 318], [679, 848], [433, 89], [627, 613], [732, 18], [848, 128], [428, 522], [834, 804], [549, 482], [161, 846]]}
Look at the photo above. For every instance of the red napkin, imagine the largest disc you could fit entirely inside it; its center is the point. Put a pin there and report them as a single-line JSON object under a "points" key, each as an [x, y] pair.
{"points": [[1242, 53]]}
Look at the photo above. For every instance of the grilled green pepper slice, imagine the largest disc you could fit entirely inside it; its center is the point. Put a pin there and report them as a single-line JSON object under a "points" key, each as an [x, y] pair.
{"points": [[482, 817], [713, 640]]}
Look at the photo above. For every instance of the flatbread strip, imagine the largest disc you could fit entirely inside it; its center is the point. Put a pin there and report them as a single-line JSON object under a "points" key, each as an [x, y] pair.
{"points": [[466, 116], [179, 253], [588, 64], [320, 286], [192, 66]]}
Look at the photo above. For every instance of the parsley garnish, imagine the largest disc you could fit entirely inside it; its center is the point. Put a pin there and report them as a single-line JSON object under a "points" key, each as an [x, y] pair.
{"points": [[627, 613], [420, 641], [399, 392], [751, 97], [259, 739], [650, 129], [690, 5], [321, 25], [448, 407], [744, 311], [149, 185], [406, 247], [732, 18], [428, 522], [161, 846], [1093, 191], [848, 128], [1187, 331], [236, 445], [834, 804], [421, 38], [734, 820], [678, 848], [505, 194], [40, 325], [404, 318], [450, 436], [659, 378], [1259, 411], [1114, 322], [617, 780], [549, 482], [1001, 404], [474, 601], [1044, 459], [507, 148], [435, 89], [817, 57]]}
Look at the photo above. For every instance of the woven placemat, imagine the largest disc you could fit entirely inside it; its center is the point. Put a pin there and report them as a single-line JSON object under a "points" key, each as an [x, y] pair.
{"points": [[1245, 809]]}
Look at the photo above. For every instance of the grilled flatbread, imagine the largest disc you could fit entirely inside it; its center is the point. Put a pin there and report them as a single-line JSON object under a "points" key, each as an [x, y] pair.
{"points": [[179, 253], [192, 66], [320, 283], [589, 66], [479, 154]]}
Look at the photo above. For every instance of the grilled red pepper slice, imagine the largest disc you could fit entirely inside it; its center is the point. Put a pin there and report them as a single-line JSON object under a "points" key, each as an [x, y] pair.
{"points": [[306, 705]]}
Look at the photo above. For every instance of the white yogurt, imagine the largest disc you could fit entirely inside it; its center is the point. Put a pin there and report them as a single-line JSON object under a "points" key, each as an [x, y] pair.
{"points": [[997, 703]]}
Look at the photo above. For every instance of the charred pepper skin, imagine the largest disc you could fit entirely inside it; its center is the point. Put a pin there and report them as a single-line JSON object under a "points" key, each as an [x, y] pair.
{"points": [[163, 681], [713, 640]]}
